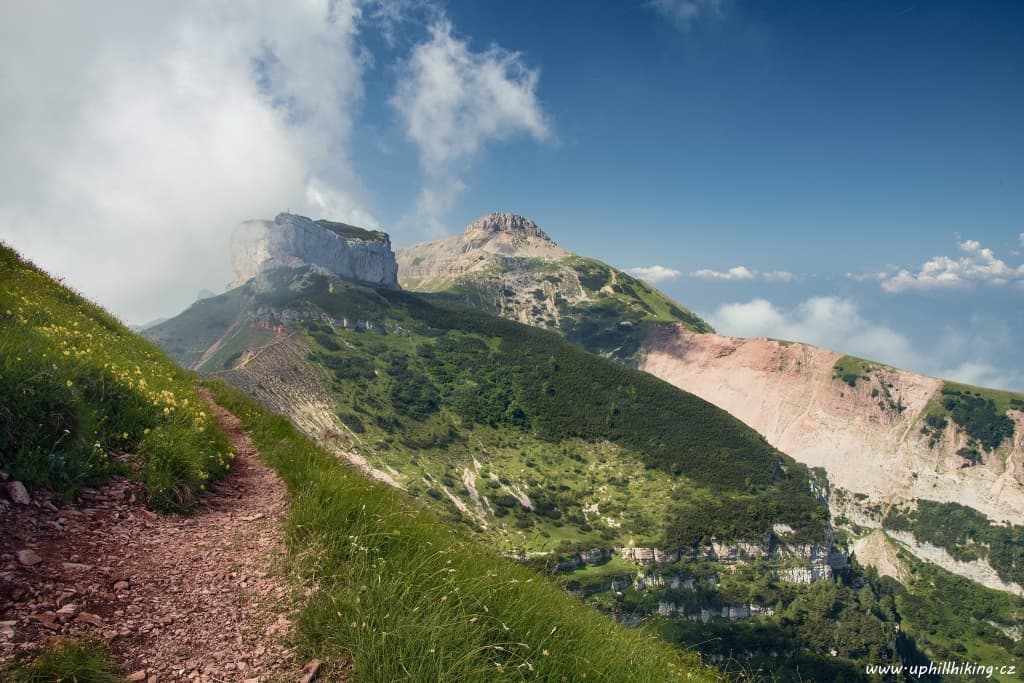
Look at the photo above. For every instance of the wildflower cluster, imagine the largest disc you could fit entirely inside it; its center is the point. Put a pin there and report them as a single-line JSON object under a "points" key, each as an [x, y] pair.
{"points": [[77, 386]]}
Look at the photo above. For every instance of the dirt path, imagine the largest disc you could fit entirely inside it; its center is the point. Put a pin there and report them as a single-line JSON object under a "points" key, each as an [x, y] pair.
{"points": [[199, 597]]}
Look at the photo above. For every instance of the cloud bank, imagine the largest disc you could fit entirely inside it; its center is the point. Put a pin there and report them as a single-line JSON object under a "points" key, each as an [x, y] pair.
{"points": [[976, 264], [452, 101], [654, 273], [135, 136], [742, 273], [963, 354]]}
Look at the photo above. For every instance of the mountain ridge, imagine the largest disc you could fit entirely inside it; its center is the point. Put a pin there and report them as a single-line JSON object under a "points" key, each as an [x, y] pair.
{"points": [[506, 264], [887, 437]]}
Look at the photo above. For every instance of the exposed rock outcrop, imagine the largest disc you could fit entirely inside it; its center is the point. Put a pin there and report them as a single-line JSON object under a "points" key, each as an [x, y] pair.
{"points": [[979, 571], [486, 245], [870, 447], [292, 241], [505, 263], [804, 562], [707, 614]]}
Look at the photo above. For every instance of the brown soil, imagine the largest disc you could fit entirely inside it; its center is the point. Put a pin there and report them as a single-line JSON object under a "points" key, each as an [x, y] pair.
{"points": [[180, 597]]}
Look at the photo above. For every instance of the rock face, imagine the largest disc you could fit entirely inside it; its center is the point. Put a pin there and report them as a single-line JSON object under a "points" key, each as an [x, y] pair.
{"points": [[506, 264], [482, 247], [806, 562], [293, 241], [870, 448]]}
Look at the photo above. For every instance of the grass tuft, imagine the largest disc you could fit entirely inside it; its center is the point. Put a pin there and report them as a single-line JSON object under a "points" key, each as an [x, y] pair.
{"points": [[70, 661]]}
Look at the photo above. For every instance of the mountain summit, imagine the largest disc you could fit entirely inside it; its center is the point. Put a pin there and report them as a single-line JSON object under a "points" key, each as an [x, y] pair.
{"points": [[507, 264], [504, 223], [433, 266]]}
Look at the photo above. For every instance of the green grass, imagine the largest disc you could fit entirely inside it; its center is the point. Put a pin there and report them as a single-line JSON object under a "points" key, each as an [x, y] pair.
{"points": [[352, 232], [852, 370], [82, 397], [406, 597], [459, 386], [1001, 400], [980, 412], [197, 328], [245, 337], [70, 661], [954, 619], [619, 309]]}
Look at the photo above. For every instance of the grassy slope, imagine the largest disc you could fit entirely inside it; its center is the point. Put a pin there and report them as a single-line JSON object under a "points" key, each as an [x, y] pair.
{"points": [[611, 321], [78, 387], [953, 619], [352, 232], [457, 387], [401, 594], [198, 327], [408, 598], [966, 533], [980, 412]]}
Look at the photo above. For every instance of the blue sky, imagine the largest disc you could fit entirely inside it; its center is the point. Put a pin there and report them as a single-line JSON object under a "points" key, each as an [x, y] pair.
{"points": [[849, 174]]}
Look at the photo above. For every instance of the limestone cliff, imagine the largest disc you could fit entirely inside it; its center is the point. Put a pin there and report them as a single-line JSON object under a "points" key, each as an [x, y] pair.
{"points": [[289, 240]]}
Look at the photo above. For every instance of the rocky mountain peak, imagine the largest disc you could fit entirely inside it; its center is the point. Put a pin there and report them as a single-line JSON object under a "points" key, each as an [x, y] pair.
{"points": [[505, 223], [291, 241]]}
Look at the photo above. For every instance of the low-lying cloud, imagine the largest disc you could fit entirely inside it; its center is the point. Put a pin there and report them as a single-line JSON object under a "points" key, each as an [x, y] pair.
{"points": [[654, 274], [137, 135], [742, 273], [976, 264], [962, 354]]}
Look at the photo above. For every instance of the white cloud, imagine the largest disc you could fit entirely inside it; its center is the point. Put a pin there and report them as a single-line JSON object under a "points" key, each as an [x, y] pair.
{"points": [[743, 273], [453, 101], [654, 273], [976, 264], [831, 322], [684, 13], [777, 276], [734, 273], [133, 148], [873, 276], [963, 354]]}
